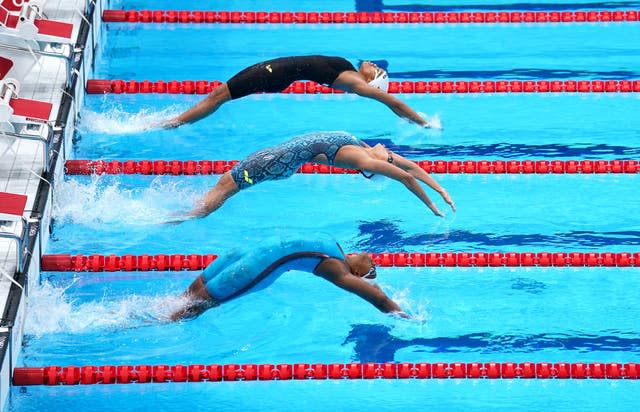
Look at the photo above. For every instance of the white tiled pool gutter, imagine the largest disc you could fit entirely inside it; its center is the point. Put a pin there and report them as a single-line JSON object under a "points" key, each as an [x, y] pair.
{"points": [[23, 170]]}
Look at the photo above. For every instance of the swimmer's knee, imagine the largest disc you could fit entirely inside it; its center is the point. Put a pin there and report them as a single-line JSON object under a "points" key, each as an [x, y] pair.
{"points": [[228, 184], [220, 94]]}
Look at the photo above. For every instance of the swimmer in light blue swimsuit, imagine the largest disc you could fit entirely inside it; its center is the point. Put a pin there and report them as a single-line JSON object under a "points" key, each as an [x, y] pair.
{"points": [[246, 270], [330, 148]]}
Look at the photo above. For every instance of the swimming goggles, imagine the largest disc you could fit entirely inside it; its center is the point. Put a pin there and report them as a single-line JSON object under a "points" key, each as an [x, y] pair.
{"points": [[371, 274]]}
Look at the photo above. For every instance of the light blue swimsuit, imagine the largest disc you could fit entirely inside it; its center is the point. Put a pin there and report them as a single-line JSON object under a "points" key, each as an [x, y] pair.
{"points": [[253, 268]]}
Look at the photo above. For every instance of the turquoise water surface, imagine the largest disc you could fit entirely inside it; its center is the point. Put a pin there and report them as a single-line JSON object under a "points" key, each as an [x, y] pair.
{"points": [[460, 315]]}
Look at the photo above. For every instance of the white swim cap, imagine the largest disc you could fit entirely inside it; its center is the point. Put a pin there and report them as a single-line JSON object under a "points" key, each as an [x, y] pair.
{"points": [[381, 80]]}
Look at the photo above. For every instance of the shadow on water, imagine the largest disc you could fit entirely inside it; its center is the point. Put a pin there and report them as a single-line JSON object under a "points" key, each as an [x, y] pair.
{"points": [[385, 236], [375, 343], [507, 74], [508, 150]]}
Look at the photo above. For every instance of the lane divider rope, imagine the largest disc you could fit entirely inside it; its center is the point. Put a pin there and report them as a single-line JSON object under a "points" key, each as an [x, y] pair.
{"points": [[178, 262], [216, 167], [87, 375], [118, 86], [426, 17]]}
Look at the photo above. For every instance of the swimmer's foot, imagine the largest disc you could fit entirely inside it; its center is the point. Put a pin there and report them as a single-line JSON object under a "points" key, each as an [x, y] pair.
{"points": [[170, 124], [178, 217]]}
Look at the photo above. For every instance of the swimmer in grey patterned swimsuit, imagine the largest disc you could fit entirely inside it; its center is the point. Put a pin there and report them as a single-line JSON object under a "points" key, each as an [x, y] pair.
{"points": [[330, 148], [282, 161]]}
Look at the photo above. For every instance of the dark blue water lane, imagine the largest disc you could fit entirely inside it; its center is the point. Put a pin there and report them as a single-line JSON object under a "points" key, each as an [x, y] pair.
{"points": [[509, 150], [518, 73], [376, 343], [385, 236]]}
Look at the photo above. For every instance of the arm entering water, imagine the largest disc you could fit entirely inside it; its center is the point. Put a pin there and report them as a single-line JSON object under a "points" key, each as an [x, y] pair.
{"points": [[396, 173], [417, 172]]}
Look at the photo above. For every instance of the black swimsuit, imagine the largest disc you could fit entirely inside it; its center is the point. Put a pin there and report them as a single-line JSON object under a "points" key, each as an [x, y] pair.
{"points": [[275, 75]]}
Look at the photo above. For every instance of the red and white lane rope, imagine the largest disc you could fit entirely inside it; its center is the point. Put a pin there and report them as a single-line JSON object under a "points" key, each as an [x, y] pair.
{"points": [[216, 167], [339, 17], [178, 262], [101, 86], [87, 375]]}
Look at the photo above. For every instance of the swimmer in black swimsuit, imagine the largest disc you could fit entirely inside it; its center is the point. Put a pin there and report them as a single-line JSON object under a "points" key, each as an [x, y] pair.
{"points": [[275, 75], [331, 148]]}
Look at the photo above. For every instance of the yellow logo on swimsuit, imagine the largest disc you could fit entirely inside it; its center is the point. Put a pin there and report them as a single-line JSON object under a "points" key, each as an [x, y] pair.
{"points": [[268, 67], [247, 178]]}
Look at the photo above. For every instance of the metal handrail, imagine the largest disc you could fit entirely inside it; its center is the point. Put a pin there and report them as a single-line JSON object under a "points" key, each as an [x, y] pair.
{"points": [[46, 142], [19, 239], [67, 59]]}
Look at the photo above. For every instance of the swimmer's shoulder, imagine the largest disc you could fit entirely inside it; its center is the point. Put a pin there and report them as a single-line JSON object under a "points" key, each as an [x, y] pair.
{"points": [[331, 267]]}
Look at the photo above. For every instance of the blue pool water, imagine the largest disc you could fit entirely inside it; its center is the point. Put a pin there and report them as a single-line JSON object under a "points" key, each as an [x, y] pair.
{"points": [[466, 315]]}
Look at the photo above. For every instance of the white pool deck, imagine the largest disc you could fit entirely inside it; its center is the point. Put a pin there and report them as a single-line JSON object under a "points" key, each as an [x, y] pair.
{"points": [[23, 166]]}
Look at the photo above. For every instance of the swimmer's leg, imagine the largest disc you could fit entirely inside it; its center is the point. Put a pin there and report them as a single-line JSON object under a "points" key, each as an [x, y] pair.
{"points": [[223, 190], [205, 107], [198, 300]]}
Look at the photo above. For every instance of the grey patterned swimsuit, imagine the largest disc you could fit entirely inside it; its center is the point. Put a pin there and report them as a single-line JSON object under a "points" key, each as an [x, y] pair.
{"points": [[280, 162]]}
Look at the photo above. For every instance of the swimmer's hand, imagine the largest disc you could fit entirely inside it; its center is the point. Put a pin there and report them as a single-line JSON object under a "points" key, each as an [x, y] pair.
{"points": [[448, 200], [431, 123], [435, 209], [400, 314]]}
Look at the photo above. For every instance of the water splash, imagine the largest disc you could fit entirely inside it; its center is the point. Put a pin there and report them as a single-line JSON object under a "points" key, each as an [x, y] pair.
{"points": [[104, 200], [413, 135], [434, 121], [417, 310], [51, 310], [115, 120]]}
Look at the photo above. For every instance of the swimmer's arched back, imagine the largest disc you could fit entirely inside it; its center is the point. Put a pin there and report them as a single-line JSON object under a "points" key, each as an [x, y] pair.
{"points": [[332, 148], [254, 266], [275, 75]]}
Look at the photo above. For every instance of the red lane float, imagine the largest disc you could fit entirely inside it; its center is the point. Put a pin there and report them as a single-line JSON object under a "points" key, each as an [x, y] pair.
{"points": [[177, 262], [216, 167], [101, 86], [338, 17], [88, 375]]}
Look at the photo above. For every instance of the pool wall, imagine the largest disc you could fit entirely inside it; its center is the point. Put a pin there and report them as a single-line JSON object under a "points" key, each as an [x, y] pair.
{"points": [[11, 326]]}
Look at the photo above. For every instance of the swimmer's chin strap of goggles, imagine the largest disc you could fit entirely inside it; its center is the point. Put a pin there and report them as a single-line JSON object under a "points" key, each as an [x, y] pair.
{"points": [[369, 176]]}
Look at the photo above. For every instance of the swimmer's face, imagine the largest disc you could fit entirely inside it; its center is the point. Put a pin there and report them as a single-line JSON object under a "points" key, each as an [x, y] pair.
{"points": [[365, 267], [368, 70]]}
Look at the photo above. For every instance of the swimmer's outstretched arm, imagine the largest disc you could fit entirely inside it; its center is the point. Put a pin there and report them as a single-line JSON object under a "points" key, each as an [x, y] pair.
{"points": [[341, 277], [203, 108], [351, 82], [418, 173], [396, 173]]}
